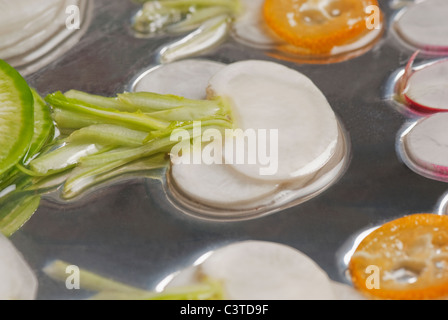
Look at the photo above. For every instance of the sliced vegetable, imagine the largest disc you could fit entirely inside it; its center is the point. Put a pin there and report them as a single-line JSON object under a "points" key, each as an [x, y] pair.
{"points": [[136, 121], [292, 110], [411, 256], [148, 102], [16, 210], [209, 35], [257, 270], [426, 88], [112, 290], [426, 146], [220, 186], [100, 101], [68, 121], [408, 71], [65, 157], [318, 25], [176, 16], [108, 134], [43, 127], [16, 117], [159, 142], [160, 79], [423, 25], [84, 177], [18, 280], [107, 138]]}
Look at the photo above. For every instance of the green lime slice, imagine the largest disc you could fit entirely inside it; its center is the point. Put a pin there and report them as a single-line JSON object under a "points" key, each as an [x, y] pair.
{"points": [[16, 117]]}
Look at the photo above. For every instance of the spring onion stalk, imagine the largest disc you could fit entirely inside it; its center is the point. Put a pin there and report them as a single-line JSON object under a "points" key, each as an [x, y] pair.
{"points": [[69, 121], [88, 280], [85, 177], [64, 158], [162, 142], [136, 121], [176, 16], [109, 289], [96, 100], [209, 35], [148, 102], [108, 138], [198, 18], [106, 134], [203, 291]]}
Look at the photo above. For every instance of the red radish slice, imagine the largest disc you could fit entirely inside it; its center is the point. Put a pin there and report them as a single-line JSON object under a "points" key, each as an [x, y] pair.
{"points": [[427, 89], [427, 145], [425, 25]]}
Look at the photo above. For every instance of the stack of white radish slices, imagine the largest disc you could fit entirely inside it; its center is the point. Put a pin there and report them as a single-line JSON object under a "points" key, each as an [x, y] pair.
{"points": [[256, 270], [34, 32], [423, 25], [17, 280], [287, 145]]}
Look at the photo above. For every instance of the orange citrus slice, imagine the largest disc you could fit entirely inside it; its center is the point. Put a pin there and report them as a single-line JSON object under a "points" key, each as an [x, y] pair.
{"points": [[318, 25], [410, 256]]}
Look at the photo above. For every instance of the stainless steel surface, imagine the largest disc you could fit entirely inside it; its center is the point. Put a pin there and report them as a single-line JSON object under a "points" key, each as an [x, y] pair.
{"points": [[132, 233]]}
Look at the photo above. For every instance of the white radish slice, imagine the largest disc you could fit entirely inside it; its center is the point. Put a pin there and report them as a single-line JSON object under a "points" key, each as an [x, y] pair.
{"points": [[33, 34], [251, 28], [215, 185], [186, 78], [427, 88], [424, 25], [18, 282], [269, 96], [257, 270], [15, 14], [218, 185], [426, 145], [27, 30]]}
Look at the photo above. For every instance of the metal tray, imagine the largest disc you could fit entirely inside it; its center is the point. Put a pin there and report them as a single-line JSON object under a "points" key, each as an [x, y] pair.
{"points": [[129, 231]]}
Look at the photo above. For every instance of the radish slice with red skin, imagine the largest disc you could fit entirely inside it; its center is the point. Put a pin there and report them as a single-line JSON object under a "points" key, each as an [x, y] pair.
{"points": [[426, 146], [424, 25], [426, 89], [408, 71]]}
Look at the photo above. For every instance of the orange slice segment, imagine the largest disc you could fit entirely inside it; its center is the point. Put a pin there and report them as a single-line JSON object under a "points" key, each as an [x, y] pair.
{"points": [[411, 257], [318, 25]]}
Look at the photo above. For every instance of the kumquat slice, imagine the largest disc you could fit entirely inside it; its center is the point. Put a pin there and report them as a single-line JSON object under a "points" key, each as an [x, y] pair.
{"points": [[410, 257], [318, 25]]}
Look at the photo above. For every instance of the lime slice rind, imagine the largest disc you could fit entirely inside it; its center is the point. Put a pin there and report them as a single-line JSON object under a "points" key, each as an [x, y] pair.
{"points": [[16, 117]]}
